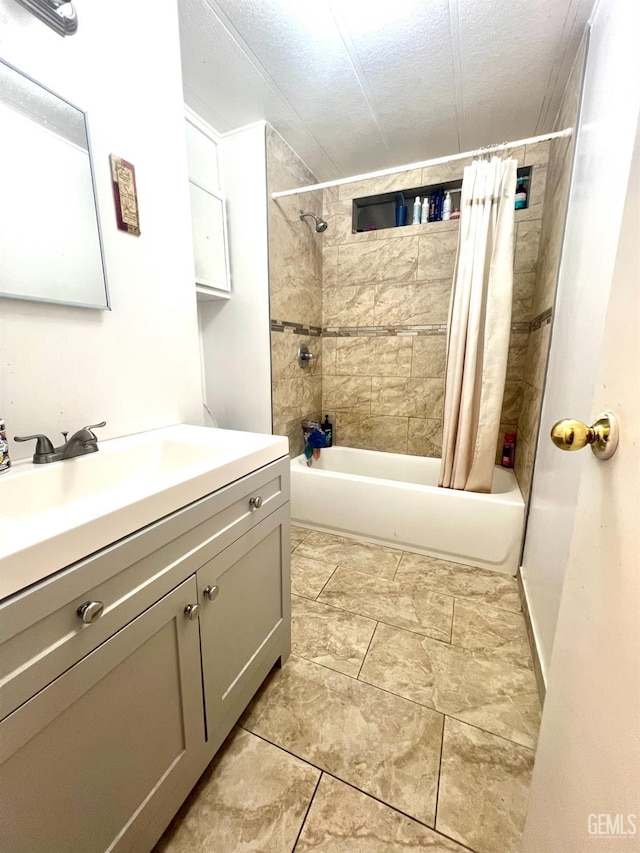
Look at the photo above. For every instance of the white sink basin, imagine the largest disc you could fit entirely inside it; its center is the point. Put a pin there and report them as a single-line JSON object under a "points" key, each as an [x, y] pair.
{"points": [[54, 514]]}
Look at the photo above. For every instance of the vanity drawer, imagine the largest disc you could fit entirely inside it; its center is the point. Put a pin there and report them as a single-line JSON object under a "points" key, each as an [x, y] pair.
{"points": [[41, 631]]}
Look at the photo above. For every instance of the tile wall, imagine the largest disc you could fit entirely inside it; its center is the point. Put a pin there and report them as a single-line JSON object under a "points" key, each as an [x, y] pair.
{"points": [[545, 280], [385, 309], [295, 273]]}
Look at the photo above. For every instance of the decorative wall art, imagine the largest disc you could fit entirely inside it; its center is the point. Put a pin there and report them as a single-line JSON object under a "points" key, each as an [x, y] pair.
{"points": [[123, 175]]}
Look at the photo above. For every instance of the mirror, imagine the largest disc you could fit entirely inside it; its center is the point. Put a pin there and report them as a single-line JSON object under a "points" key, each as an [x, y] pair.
{"points": [[50, 244]]}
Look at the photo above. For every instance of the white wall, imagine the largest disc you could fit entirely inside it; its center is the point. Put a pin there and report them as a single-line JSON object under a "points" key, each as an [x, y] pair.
{"points": [[136, 366], [604, 143], [236, 337]]}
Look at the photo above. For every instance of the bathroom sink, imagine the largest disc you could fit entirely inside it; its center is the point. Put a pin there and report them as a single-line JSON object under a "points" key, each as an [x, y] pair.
{"points": [[54, 514]]}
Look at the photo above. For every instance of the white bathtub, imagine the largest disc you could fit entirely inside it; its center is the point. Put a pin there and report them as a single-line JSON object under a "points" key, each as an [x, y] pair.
{"points": [[394, 500]]}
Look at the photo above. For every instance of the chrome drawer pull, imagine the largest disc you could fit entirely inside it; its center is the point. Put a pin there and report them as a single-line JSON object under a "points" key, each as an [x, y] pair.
{"points": [[255, 503], [211, 592], [90, 611], [192, 610]]}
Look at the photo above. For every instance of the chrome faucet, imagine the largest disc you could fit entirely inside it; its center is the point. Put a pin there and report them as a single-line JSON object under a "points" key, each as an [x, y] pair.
{"points": [[81, 442]]}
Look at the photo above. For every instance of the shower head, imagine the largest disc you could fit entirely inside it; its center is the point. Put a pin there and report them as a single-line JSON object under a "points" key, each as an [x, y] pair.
{"points": [[321, 225]]}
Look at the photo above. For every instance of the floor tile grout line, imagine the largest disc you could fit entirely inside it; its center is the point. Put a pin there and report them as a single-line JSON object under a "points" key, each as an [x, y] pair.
{"points": [[373, 633], [335, 569], [306, 814], [324, 772], [435, 816], [487, 732]]}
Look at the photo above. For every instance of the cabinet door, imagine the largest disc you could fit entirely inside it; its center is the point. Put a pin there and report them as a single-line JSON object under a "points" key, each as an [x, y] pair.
{"points": [[102, 758], [246, 626], [209, 238]]}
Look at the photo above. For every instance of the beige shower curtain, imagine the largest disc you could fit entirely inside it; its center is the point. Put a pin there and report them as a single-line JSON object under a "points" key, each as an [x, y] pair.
{"points": [[479, 325]]}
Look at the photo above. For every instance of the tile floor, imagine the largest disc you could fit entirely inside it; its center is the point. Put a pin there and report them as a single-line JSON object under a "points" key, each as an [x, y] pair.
{"points": [[405, 719]]}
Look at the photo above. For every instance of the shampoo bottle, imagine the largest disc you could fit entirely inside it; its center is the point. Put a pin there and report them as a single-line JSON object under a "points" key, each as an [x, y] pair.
{"points": [[521, 195], [424, 216], [417, 211], [446, 206], [327, 429]]}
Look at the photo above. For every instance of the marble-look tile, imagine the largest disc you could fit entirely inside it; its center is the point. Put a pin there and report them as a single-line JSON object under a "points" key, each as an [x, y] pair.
{"points": [[530, 412], [383, 744], [526, 246], [437, 255], [350, 554], [348, 393], [348, 305], [425, 437], [460, 581], [537, 354], [414, 398], [405, 304], [331, 637], [491, 631], [339, 218], [367, 356], [329, 346], [484, 789], [429, 356], [443, 172], [344, 820], [297, 535], [296, 301], [537, 152], [511, 402], [378, 260], [253, 796], [523, 285], [480, 690], [329, 267], [524, 465], [287, 398], [386, 600], [308, 576], [518, 345], [377, 186], [372, 432]]}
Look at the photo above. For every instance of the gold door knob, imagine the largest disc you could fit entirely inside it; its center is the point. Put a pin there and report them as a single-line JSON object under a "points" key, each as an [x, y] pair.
{"points": [[602, 436]]}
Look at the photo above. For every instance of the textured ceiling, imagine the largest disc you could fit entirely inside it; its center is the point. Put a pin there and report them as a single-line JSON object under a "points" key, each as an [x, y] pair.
{"points": [[357, 85]]}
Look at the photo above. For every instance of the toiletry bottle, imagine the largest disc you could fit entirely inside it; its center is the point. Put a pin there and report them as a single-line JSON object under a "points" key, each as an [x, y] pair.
{"points": [[455, 214], [327, 429], [424, 215], [439, 205], [401, 210], [508, 450], [5, 461], [432, 207], [521, 195], [417, 211], [446, 206]]}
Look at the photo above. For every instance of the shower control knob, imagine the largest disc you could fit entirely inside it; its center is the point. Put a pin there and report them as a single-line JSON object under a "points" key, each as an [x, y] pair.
{"points": [[255, 503]]}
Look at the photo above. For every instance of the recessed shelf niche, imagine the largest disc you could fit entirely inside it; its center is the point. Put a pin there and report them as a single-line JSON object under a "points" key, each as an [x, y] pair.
{"points": [[378, 212]]}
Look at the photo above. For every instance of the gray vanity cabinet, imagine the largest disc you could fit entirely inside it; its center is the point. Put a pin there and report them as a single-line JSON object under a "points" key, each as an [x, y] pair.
{"points": [[87, 762], [244, 619]]}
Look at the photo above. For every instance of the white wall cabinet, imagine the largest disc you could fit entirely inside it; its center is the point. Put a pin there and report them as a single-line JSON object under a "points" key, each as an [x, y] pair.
{"points": [[208, 212], [105, 727]]}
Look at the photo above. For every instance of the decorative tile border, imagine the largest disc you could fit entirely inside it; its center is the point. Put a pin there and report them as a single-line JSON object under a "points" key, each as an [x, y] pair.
{"points": [[392, 331], [542, 319]]}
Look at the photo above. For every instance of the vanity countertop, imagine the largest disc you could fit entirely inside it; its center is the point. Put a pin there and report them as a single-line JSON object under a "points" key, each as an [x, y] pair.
{"points": [[55, 514]]}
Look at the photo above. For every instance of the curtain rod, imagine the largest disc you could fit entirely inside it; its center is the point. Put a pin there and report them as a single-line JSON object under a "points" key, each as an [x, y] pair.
{"points": [[489, 149]]}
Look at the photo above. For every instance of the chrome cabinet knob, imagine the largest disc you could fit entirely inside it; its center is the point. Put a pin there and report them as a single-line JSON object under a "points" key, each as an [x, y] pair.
{"points": [[211, 592], [90, 611], [192, 610], [255, 503]]}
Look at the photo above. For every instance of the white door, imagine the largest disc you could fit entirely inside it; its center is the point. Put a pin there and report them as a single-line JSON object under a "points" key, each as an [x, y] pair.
{"points": [[585, 793], [604, 143]]}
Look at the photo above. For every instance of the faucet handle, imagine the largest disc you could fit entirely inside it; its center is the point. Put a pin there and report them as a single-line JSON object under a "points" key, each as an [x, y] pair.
{"points": [[95, 426], [43, 446]]}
